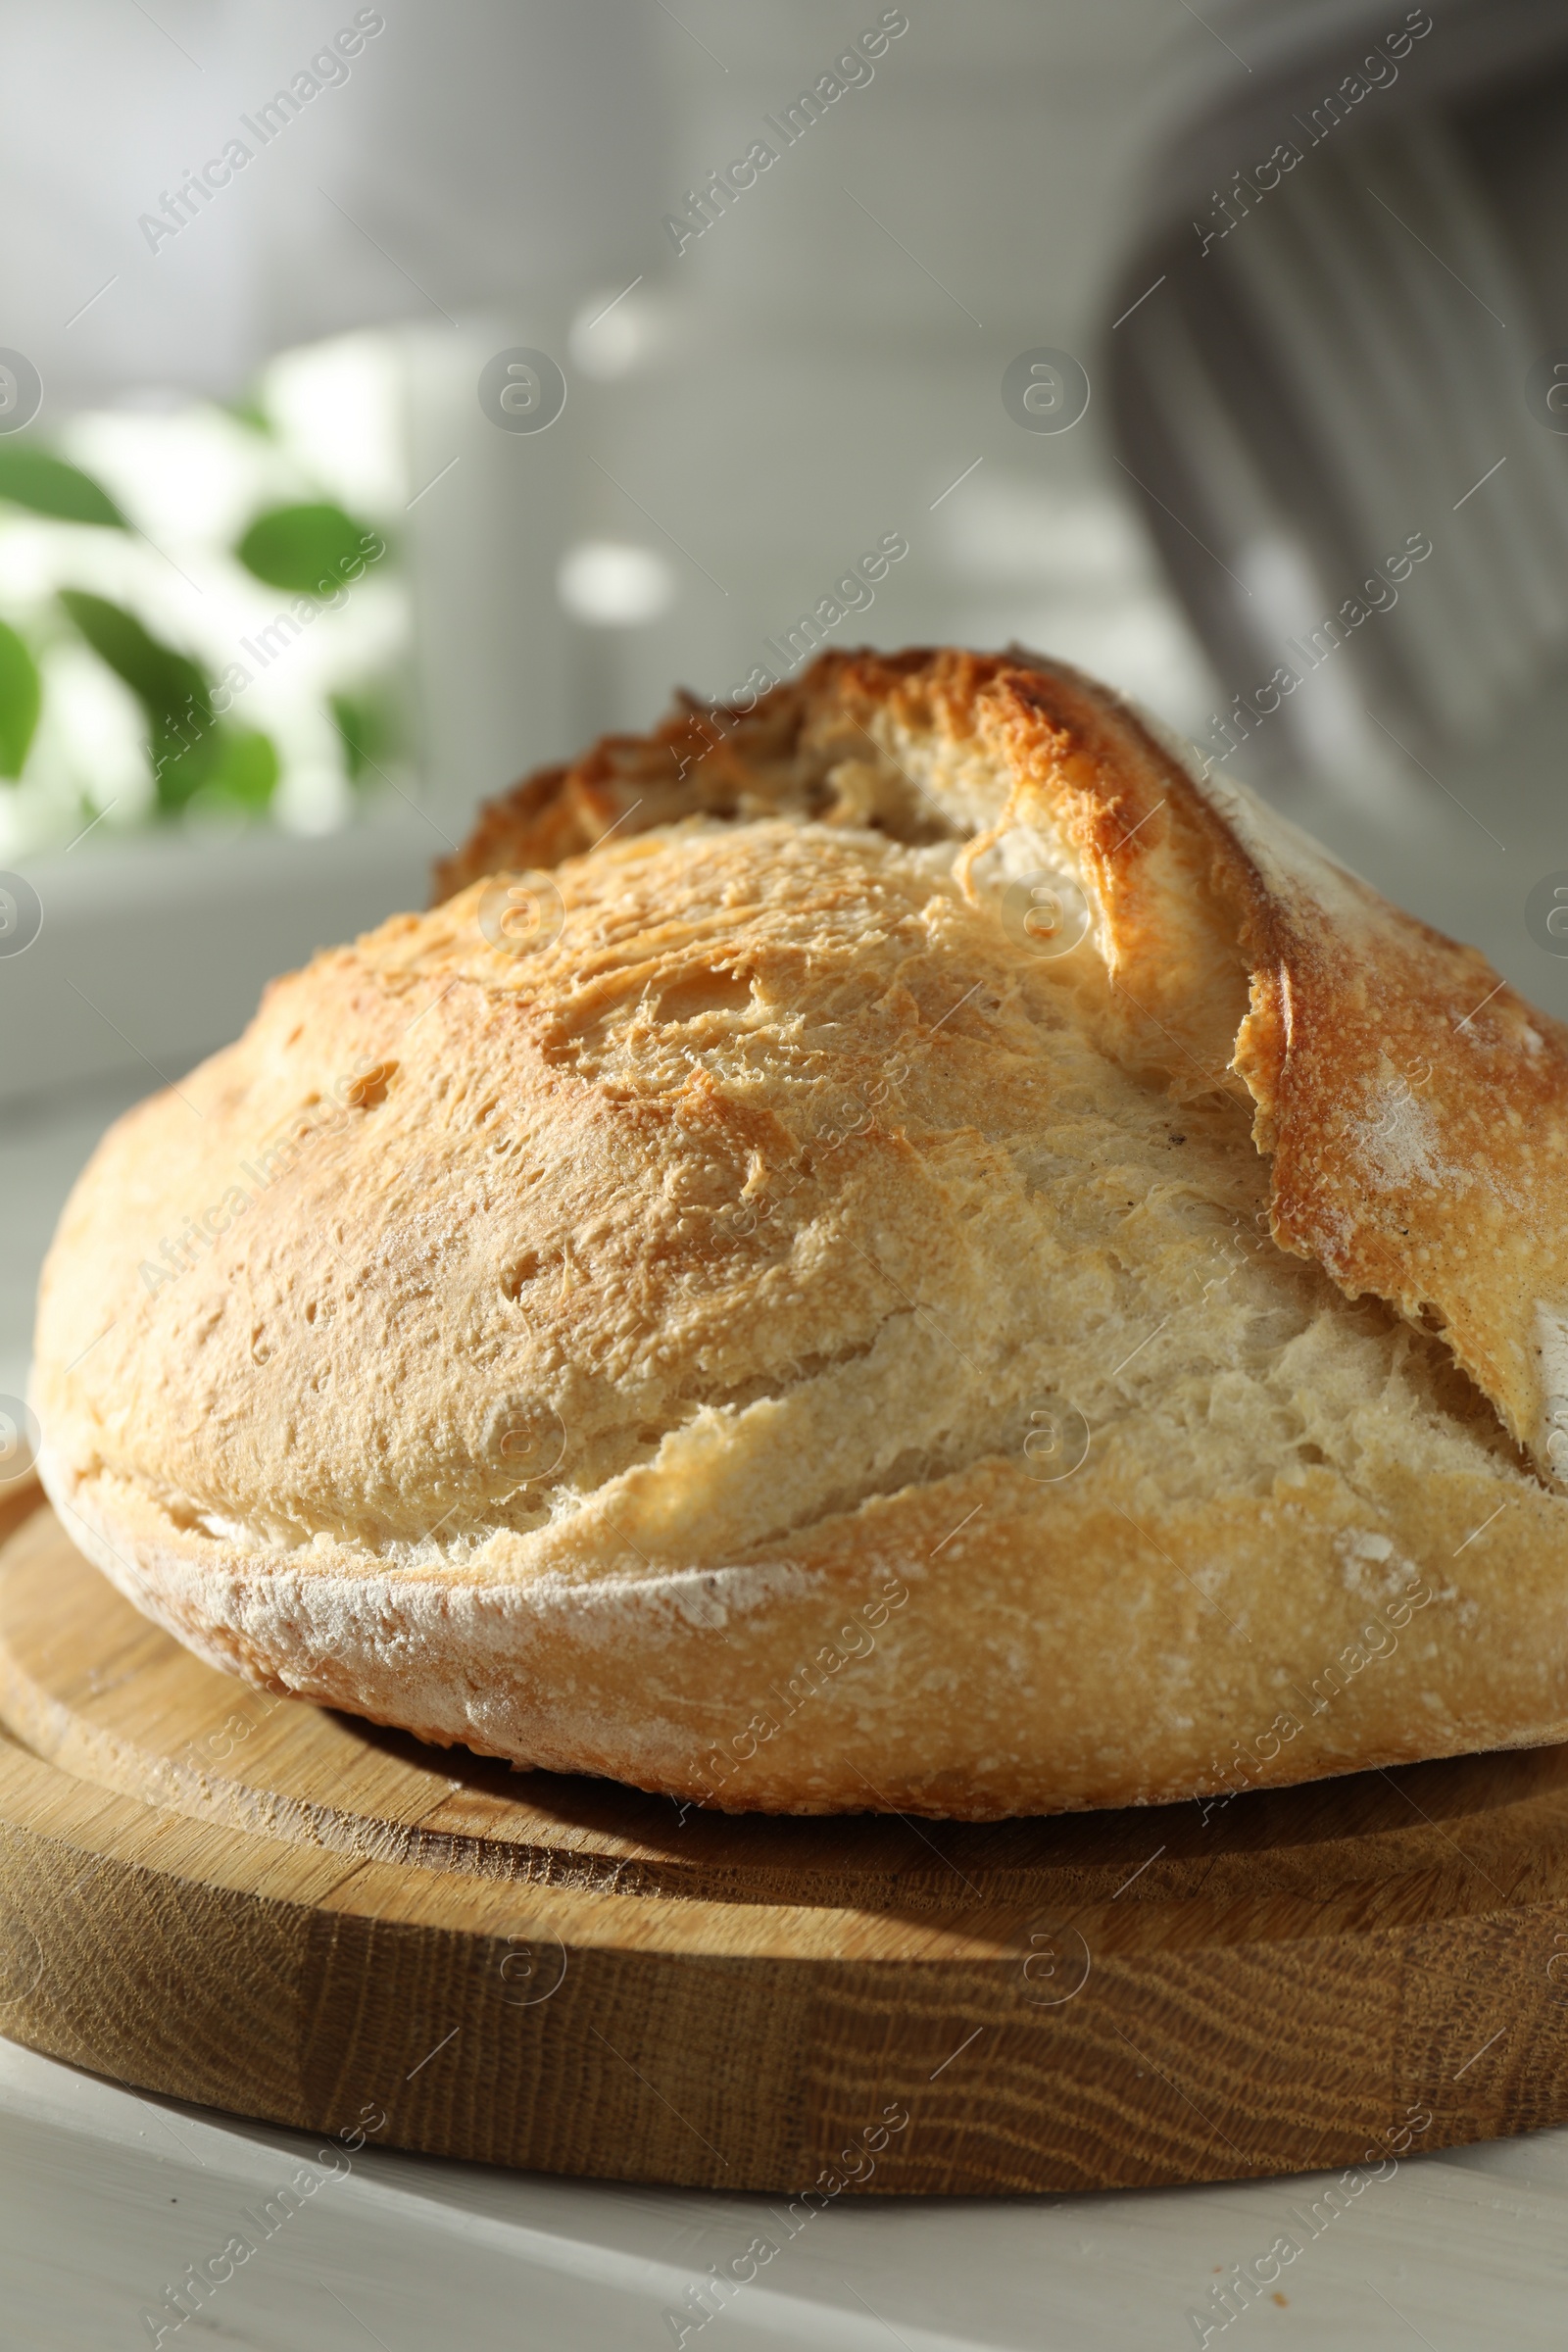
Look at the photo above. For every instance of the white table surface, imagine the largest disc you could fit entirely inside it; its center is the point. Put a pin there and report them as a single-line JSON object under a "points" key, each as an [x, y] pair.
{"points": [[106, 2197]]}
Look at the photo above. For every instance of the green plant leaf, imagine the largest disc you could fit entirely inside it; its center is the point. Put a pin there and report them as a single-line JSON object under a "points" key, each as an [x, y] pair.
{"points": [[21, 696], [167, 685], [246, 770], [248, 409], [171, 688], [32, 477], [179, 769], [368, 723], [310, 549]]}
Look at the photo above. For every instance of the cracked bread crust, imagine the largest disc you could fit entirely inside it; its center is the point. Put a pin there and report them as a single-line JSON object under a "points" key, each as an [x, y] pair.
{"points": [[783, 1341]]}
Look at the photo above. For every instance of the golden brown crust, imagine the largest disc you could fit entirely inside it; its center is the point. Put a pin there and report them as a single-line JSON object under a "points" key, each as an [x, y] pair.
{"points": [[652, 1342], [1447, 1202]]}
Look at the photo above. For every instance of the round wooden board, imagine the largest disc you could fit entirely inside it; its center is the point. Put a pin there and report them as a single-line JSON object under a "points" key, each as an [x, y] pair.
{"points": [[255, 1904]]}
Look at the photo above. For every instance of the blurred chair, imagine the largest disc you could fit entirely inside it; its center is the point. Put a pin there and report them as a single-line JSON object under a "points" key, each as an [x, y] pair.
{"points": [[1340, 329]]}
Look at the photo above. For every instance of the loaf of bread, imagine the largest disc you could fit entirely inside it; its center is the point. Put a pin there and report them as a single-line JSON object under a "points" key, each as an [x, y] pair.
{"points": [[897, 1249]]}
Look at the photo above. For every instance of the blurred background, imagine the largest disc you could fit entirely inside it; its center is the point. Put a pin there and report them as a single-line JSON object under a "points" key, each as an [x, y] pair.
{"points": [[395, 398]]}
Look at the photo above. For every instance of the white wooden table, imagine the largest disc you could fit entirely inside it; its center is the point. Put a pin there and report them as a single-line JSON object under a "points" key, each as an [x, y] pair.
{"points": [[107, 2198]]}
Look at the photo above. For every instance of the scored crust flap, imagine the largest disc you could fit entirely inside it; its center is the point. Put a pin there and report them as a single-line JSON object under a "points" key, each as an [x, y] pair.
{"points": [[1413, 1105]]}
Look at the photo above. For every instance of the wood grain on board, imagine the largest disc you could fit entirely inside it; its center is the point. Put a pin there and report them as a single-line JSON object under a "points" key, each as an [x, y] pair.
{"points": [[253, 1903]]}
